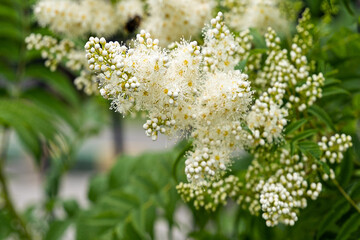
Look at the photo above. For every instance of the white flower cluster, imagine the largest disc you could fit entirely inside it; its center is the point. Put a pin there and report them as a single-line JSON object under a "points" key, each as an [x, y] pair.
{"points": [[304, 38], [172, 20], [211, 195], [221, 49], [259, 14], [291, 87], [55, 52], [78, 18], [178, 96], [292, 180], [333, 149], [268, 116]]}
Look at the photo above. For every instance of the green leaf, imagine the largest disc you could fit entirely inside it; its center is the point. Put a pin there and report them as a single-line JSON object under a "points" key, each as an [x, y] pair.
{"points": [[8, 13], [331, 81], [322, 116], [332, 91], [336, 212], [348, 7], [130, 232], [147, 183], [305, 134], [294, 126], [356, 101], [350, 226], [98, 186], [58, 81], [71, 207], [53, 105], [325, 166], [346, 168], [31, 122], [7, 71], [309, 147], [259, 41], [330, 5], [11, 32], [241, 65], [57, 230]]}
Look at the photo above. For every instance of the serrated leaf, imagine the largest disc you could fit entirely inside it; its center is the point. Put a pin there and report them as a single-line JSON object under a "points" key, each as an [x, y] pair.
{"points": [[294, 126], [309, 147], [322, 116], [350, 226]]}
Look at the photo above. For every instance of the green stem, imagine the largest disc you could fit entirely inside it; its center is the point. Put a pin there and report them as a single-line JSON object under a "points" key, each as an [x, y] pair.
{"points": [[24, 234], [346, 196]]}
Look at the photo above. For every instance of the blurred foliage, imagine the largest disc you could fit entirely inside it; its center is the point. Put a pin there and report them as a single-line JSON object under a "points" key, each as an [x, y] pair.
{"points": [[49, 116], [52, 119]]}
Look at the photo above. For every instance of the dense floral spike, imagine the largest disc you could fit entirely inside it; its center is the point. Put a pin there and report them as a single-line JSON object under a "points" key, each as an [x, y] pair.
{"points": [[291, 88], [76, 18], [171, 20]]}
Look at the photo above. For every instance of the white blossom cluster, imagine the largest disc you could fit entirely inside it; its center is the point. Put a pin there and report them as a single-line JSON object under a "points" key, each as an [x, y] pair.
{"points": [[55, 52], [291, 86], [333, 149], [284, 193], [178, 96], [259, 14], [172, 20], [78, 18], [280, 179], [211, 195], [221, 49]]}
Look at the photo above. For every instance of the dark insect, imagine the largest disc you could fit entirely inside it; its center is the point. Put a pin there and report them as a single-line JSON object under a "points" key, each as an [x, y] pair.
{"points": [[133, 24]]}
